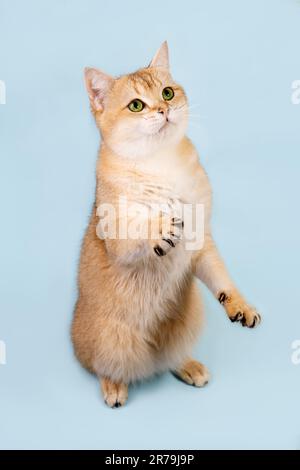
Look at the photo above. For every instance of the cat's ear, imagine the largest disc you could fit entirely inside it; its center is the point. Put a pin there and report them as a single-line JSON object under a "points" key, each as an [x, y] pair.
{"points": [[98, 85], [161, 58]]}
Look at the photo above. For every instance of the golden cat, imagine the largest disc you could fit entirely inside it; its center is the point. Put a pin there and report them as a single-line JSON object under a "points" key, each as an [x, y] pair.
{"points": [[139, 311]]}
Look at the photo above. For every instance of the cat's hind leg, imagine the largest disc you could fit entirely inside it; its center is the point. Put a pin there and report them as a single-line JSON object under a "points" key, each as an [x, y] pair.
{"points": [[193, 373]]}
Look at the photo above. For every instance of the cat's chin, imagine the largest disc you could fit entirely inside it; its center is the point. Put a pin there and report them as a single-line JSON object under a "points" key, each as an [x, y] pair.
{"points": [[146, 144], [156, 130], [145, 147], [165, 127], [169, 131]]}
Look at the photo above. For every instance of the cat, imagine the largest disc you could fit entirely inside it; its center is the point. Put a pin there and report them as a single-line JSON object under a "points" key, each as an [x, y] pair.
{"points": [[139, 310]]}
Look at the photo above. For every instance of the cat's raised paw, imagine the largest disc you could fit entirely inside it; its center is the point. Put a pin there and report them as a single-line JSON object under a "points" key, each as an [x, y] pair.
{"points": [[171, 234], [115, 395], [238, 310], [193, 373]]}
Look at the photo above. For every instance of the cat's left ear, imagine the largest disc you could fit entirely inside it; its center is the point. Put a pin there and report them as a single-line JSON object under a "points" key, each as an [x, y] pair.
{"points": [[161, 58], [98, 85]]}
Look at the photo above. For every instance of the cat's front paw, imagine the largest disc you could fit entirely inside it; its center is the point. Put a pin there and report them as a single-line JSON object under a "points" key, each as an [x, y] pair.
{"points": [[238, 310], [171, 234]]}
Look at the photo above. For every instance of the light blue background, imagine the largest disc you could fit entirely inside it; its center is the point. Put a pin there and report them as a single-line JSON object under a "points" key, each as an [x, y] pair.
{"points": [[236, 60]]}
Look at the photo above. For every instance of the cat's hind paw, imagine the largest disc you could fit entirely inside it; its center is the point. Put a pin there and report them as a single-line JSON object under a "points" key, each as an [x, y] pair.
{"points": [[193, 373], [115, 395]]}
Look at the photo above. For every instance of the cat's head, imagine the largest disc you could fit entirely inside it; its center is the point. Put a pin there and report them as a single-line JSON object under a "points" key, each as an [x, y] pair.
{"points": [[139, 113]]}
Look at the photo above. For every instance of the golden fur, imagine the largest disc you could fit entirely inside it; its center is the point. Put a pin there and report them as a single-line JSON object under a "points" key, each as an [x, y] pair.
{"points": [[139, 313]]}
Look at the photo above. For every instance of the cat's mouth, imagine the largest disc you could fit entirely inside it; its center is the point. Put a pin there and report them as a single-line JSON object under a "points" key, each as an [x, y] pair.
{"points": [[160, 128], [165, 125]]}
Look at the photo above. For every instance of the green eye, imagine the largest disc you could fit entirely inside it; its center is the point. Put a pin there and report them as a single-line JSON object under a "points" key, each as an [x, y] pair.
{"points": [[168, 93], [136, 106]]}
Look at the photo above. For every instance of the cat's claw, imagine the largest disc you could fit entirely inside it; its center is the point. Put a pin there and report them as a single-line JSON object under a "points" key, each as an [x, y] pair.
{"points": [[238, 317], [170, 237]]}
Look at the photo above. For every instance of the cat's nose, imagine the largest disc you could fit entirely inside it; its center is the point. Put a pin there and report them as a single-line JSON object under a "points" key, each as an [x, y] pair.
{"points": [[163, 111]]}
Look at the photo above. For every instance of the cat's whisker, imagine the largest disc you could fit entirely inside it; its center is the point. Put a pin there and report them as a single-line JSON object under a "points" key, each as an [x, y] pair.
{"points": [[197, 116], [195, 124], [194, 106]]}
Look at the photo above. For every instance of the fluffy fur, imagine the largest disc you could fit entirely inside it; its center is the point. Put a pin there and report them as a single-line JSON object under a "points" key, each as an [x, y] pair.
{"points": [[139, 313]]}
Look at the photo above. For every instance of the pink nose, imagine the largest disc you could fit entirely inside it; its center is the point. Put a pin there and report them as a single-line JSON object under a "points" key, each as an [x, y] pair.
{"points": [[163, 111]]}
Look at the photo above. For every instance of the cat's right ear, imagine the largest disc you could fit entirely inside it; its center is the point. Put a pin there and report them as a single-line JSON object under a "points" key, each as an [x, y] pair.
{"points": [[98, 85]]}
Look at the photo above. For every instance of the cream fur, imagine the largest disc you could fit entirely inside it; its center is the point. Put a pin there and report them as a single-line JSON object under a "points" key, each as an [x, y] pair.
{"points": [[139, 313]]}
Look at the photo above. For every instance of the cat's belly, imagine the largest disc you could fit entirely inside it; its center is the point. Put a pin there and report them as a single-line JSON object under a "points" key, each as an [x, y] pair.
{"points": [[160, 326], [147, 290], [130, 324]]}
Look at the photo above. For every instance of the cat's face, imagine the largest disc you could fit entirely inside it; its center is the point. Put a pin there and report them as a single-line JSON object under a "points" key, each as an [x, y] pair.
{"points": [[139, 113]]}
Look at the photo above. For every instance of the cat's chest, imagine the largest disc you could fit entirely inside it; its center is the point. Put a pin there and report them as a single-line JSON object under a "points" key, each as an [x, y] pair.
{"points": [[176, 178], [189, 186]]}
